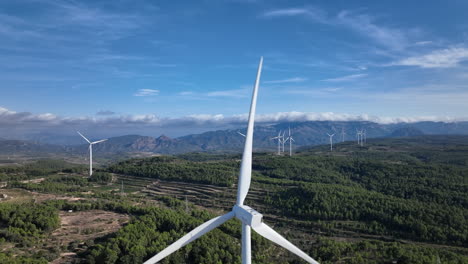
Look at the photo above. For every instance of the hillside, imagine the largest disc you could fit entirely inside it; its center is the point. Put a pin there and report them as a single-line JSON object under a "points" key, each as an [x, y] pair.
{"points": [[12, 147], [406, 132], [229, 141], [393, 200]]}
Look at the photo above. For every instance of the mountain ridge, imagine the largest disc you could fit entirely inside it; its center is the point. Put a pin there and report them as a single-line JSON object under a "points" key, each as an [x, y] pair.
{"points": [[307, 133]]}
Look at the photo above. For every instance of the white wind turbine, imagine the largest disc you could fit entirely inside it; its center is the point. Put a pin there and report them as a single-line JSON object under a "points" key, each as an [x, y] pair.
{"points": [[361, 137], [364, 134], [358, 135], [331, 141], [248, 216], [283, 140], [238, 132], [279, 142], [91, 151], [291, 139]]}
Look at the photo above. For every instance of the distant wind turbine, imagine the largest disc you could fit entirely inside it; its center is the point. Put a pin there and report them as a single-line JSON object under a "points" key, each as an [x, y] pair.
{"points": [[331, 141], [365, 136], [279, 142], [361, 136], [342, 134], [240, 133], [283, 140], [358, 135], [91, 151], [249, 218], [291, 139]]}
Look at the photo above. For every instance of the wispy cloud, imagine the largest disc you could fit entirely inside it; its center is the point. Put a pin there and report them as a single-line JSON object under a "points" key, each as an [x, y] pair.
{"points": [[62, 30], [346, 78], [445, 58], [310, 91], [290, 80], [185, 93], [424, 43], [238, 93], [146, 92], [364, 24], [105, 113], [313, 13]]}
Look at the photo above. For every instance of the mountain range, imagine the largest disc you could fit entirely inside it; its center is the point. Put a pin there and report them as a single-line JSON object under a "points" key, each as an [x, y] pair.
{"points": [[304, 133]]}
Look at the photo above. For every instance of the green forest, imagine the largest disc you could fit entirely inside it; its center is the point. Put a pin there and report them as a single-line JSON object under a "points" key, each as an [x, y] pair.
{"points": [[386, 202]]}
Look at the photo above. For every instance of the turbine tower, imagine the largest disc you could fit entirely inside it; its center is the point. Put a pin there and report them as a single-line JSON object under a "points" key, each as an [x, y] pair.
{"points": [[358, 135], [248, 216], [361, 136], [91, 151], [342, 134], [331, 141], [365, 136], [291, 139], [283, 140], [279, 142]]}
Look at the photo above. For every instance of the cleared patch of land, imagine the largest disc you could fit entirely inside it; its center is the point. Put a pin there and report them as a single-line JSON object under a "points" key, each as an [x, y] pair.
{"points": [[77, 227]]}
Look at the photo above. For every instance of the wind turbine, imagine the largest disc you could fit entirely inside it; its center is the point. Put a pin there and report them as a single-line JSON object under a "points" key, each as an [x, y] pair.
{"points": [[342, 134], [331, 141], [279, 142], [91, 151], [240, 133], [248, 216], [283, 140], [361, 137], [291, 139], [365, 136], [358, 135]]}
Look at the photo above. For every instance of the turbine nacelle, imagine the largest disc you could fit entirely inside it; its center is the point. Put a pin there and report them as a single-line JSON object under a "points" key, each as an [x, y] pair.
{"points": [[247, 215]]}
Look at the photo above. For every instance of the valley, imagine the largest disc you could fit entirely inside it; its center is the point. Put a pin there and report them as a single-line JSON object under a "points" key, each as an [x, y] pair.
{"points": [[394, 200]]}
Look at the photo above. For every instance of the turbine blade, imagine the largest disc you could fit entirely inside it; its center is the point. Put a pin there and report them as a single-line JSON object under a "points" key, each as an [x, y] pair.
{"points": [[83, 137], [240, 133], [191, 236], [99, 141], [245, 174], [270, 234]]}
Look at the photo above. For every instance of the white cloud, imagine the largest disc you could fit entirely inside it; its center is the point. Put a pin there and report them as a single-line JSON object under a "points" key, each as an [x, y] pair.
{"points": [[313, 13], [12, 118], [21, 124], [239, 93], [290, 80], [346, 78], [445, 58], [287, 12], [146, 92], [423, 43], [390, 37], [185, 93], [363, 24]]}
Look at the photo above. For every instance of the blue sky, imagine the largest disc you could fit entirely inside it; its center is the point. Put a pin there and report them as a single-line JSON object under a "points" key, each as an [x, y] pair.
{"points": [[125, 62]]}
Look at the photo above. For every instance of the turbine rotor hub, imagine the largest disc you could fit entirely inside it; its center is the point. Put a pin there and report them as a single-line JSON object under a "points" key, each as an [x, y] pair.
{"points": [[247, 215]]}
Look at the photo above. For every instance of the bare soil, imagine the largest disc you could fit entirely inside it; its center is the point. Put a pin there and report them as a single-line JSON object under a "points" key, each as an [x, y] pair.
{"points": [[82, 226]]}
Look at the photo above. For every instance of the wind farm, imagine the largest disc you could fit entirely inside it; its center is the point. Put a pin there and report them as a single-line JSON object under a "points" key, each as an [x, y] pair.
{"points": [[130, 132]]}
